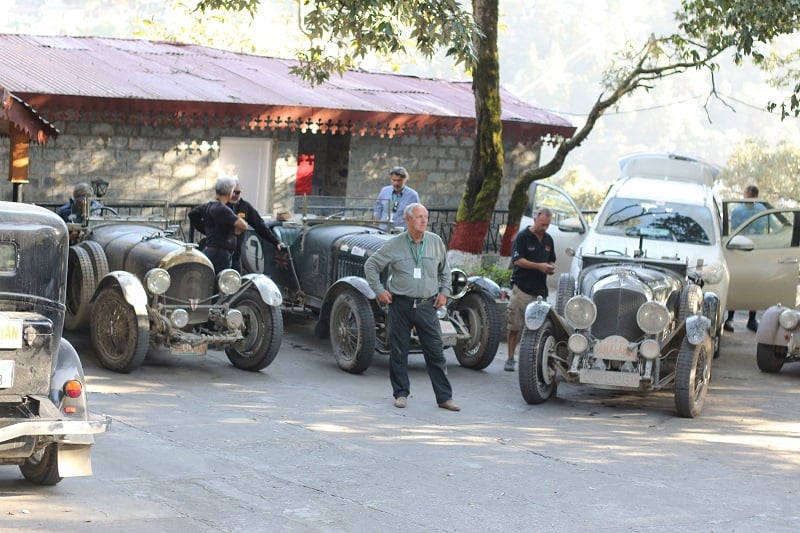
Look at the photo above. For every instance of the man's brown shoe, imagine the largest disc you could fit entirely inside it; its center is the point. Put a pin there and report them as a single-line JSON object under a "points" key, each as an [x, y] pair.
{"points": [[450, 405], [400, 402]]}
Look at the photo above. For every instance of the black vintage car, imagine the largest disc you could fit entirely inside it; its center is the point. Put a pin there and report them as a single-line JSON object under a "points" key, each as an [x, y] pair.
{"points": [[625, 322], [323, 272], [45, 426], [136, 287]]}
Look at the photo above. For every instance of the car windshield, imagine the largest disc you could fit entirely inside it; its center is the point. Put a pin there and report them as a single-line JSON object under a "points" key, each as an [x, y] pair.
{"points": [[672, 221]]}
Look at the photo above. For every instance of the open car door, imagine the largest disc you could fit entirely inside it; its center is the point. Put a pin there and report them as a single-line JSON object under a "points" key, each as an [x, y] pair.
{"points": [[568, 227], [763, 257]]}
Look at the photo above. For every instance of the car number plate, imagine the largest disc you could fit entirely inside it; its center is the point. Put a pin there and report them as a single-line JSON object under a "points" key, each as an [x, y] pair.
{"points": [[10, 333], [188, 349], [6, 373], [447, 327], [614, 347]]}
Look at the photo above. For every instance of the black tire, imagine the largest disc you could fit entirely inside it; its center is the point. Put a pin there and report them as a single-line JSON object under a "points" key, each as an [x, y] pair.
{"points": [[352, 331], [691, 300], [81, 284], [537, 379], [770, 358], [120, 337], [42, 467], [564, 291], [479, 312], [263, 331], [98, 259], [692, 376]]}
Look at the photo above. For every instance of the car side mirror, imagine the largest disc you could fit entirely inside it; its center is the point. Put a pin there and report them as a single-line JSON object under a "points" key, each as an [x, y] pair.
{"points": [[740, 242], [571, 225], [458, 284]]}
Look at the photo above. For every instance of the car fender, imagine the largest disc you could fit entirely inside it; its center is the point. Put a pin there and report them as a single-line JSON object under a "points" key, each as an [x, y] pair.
{"points": [[355, 282], [67, 366], [770, 330], [267, 289], [697, 329], [538, 310], [488, 285], [131, 288]]}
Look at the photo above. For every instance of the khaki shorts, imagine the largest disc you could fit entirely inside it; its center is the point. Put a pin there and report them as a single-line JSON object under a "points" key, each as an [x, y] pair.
{"points": [[515, 312]]}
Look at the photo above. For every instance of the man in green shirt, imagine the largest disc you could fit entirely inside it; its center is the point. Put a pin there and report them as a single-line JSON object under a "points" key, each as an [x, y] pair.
{"points": [[418, 283]]}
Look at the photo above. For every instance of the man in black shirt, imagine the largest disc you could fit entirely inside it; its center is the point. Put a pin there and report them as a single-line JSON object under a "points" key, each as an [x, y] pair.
{"points": [[220, 224], [534, 258], [248, 213]]}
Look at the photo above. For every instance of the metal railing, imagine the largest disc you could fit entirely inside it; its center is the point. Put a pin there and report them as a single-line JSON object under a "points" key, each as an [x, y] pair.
{"points": [[440, 220]]}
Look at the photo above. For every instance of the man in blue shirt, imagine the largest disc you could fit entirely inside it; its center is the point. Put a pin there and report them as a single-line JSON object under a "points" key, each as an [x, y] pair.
{"points": [[393, 200], [739, 214]]}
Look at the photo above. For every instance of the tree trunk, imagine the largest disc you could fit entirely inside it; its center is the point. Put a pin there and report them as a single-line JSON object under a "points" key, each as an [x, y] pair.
{"points": [[486, 172]]}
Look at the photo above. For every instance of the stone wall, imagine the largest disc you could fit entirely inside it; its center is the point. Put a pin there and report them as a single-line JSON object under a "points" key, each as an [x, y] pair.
{"points": [[179, 164]]}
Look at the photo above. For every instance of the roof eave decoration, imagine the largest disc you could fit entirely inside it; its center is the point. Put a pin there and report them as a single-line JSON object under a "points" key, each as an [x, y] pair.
{"points": [[22, 116]]}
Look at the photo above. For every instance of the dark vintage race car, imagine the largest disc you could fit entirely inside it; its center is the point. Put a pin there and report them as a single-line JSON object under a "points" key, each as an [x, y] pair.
{"points": [[137, 287], [323, 272], [778, 338], [630, 323], [45, 426]]}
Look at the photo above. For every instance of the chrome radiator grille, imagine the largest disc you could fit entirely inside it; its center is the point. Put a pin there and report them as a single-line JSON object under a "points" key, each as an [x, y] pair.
{"points": [[352, 264], [616, 313]]}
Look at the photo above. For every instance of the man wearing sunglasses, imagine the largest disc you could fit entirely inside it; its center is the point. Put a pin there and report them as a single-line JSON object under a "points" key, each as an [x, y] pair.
{"points": [[248, 213], [393, 199]]}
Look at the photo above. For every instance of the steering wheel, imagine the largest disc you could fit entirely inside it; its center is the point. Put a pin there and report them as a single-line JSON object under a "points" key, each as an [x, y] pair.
{"points": [[105, 208], [610, 252]]}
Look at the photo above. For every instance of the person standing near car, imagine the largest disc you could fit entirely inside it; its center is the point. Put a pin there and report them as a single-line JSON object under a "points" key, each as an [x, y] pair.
{"points": [[739, 214], [245, 211], [534, 258], [418, 284], [393, 200], [222, 226], [80, 204]]}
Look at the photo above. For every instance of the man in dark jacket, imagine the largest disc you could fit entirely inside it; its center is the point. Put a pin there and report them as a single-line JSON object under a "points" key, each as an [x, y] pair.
{"points": [[246, 212]]}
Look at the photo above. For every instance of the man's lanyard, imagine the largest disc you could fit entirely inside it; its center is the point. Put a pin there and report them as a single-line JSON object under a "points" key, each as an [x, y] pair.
{"points": [[417, 256]]}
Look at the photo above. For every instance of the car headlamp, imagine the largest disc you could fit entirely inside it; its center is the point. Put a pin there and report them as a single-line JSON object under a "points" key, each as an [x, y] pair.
{"points": [[652, 317], [234, 319], [580, 312], [789, 319], [441, 312], [157, 281], [713, 273], [577, 343], [179, 318], [650, 349], [229, 281]]}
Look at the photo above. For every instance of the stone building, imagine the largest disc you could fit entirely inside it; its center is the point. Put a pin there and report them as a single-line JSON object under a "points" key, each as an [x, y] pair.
{"points": [[161, 121]]}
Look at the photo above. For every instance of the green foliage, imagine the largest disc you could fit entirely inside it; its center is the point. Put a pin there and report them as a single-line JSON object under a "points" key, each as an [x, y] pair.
{"points": [[501, 276], [340, 33], [773, 169], [748, 28], [583, 187]]}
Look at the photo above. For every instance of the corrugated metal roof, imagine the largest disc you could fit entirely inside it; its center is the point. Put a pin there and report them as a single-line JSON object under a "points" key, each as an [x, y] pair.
{"points": [[15, 112], [44, 68]]}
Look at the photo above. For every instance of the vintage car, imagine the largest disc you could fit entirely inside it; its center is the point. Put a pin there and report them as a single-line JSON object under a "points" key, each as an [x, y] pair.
{"points": [[45, 427], [778, 338], [137, 287], [626, 322], [659, 234], [323, 273]]}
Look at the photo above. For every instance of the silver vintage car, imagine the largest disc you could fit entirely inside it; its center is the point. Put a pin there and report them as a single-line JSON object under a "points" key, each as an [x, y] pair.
{"points": [[137, 287], [45, 426]]}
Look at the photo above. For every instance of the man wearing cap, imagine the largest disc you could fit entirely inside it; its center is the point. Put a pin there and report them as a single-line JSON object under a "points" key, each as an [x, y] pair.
{"points": [[393, 199], [73, 210]]}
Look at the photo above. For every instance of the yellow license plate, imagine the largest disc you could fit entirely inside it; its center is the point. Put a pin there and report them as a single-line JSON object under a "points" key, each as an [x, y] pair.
{"points": [[6, 373], [188, 349], [447, 327], [10, 333], [615, 347]]}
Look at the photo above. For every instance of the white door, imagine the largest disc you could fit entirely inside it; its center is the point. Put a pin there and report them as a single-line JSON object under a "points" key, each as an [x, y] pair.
{"points": [[249, 160], [763, 257]]}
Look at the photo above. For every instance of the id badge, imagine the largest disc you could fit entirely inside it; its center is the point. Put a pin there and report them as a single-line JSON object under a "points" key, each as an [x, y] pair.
{"points": [[417, 273]]}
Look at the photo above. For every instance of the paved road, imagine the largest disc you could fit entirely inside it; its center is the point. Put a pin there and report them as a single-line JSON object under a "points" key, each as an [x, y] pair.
{"points": [[197, 445]]}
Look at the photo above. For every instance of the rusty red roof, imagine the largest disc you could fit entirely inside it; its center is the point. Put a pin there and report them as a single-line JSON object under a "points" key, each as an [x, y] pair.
{"points": [[155, 82], [15, 112]]}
